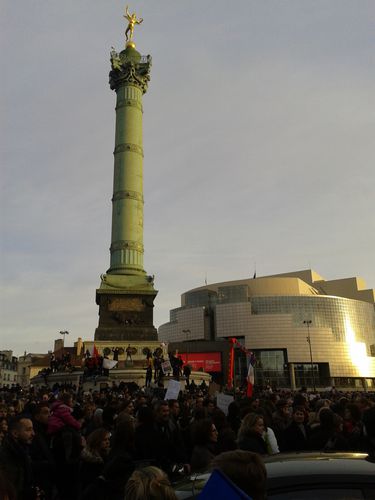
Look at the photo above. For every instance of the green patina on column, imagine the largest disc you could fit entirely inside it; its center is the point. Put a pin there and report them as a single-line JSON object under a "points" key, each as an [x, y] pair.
{"points": [[130, 82], [129, 77], [126, 293]]}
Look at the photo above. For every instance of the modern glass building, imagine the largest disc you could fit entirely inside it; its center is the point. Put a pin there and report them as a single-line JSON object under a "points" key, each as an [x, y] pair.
{"points": [[303, 329]]}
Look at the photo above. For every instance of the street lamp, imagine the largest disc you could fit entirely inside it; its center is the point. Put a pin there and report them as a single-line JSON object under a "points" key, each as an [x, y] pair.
{"points": [[63, 333], [308, 322], [187, 347]]}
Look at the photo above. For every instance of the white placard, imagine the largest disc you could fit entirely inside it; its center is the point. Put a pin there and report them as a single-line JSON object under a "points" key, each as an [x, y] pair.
{"points": [[166, 366], [223, 401], [173, 390]]}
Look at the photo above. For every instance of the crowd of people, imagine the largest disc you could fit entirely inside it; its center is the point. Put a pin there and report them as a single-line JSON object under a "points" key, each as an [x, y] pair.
{"points": [[127, 442]]}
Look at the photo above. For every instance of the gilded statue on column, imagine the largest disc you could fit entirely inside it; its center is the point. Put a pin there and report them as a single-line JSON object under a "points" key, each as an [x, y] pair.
{"points": [[132, 21]]}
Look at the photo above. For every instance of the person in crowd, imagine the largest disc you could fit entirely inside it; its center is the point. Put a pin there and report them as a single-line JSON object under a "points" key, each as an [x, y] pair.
{"points": [[149, 367], [353, 427], [149, 483], [339, 406], [166, 447], [62, 415], [187, 372], [250, 434], [227, 438], [3, 428], [126, 409], [209, 406], [109, 416], [281, 419], [246, 469], [328, 436], [43, 463], [123, 439], [11, 411], [314, 415], [15, 463], [87, 425], [204, 440], [110, 485], [233, 416], [296, 436], [174, 412], [66, 444], [268, 434], [94, 456], [7, 490]]}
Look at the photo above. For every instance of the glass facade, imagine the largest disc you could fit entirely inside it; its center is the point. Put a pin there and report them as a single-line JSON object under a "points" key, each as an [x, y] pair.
{"points": [[324, 312], [201, 298], [270, 316], [233, 294], [308, 375]]}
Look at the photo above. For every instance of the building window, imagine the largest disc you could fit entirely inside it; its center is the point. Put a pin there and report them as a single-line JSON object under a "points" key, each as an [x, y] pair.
{"points": [[304, 374]]}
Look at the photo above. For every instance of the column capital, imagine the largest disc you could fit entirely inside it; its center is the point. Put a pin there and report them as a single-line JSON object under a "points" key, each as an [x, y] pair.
{"points": [[129, 67]]}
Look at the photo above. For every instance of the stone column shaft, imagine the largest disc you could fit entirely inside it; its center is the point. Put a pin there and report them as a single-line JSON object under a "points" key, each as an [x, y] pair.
{"points": [[127, 210]]}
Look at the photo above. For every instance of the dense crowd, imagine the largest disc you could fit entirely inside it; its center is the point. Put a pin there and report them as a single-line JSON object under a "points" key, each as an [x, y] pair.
{"points": [[126, 442]]}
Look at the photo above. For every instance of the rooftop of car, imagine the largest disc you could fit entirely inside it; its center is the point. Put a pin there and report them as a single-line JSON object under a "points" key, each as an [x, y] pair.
{"points": [[296, 464]]}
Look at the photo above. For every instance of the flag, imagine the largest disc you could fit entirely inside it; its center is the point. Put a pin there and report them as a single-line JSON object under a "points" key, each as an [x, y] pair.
{"points": [[250, 376], [255, 275], [95, 352], [108, 364], [220, 487]]}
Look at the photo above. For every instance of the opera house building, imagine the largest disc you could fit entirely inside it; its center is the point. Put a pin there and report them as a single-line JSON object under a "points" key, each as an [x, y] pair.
{"points": [[305, 331]]}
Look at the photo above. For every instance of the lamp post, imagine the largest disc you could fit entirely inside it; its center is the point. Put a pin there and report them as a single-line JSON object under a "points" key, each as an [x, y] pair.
{"points": [[187, 346], [308, 322]]}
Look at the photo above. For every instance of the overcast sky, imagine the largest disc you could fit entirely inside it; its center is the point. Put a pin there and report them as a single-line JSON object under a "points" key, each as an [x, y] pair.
{"points": [[259, 128]]}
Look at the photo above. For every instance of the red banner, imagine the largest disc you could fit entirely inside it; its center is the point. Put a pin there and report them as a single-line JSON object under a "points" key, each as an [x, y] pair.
{"points": [[208, 361]]}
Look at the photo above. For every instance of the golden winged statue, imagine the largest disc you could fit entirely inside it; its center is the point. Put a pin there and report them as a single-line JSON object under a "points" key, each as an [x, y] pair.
{"points": [[132, 21]]}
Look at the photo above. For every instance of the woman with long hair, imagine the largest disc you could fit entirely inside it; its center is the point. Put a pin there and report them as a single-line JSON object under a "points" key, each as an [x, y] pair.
{"points": [[250, 434], [149, 483], [94, 456], [204, 440]]}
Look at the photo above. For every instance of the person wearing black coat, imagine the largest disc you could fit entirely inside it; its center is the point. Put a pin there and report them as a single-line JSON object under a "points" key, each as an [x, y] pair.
{"points": [[328, 435], [15, 463], [250, 434], [42, 459], [160, 441], [295, 436]]}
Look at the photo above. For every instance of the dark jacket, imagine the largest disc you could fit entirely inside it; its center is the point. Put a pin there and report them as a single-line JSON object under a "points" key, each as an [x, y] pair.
{"points": [[110, 485], [161, 444], [42, 460], [16, 466], [252, 442], [294, 438], [324, 439], [91, 466], [201, 457]]}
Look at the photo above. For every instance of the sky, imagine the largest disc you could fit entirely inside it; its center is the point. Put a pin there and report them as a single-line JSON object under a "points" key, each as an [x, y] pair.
{"points": [[259, 126]]}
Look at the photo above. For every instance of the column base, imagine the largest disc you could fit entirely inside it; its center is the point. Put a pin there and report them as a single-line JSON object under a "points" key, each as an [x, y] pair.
{"points": [[126, 308]]}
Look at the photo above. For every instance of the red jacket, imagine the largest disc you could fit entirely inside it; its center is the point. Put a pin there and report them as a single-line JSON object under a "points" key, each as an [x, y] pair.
{"points": [[61, 416]]}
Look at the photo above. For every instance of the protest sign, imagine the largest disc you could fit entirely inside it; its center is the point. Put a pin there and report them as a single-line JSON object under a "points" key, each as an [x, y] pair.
{"points": [[173, 389], [223, 401]]}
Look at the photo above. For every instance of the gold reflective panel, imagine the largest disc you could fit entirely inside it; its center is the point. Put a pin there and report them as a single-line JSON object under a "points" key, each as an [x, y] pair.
{"points": [[357, 350]]}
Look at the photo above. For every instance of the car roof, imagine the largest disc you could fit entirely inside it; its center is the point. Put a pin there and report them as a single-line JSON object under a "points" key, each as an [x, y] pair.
{"points": [[298, 469], [332, 468], [319, 463]]}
